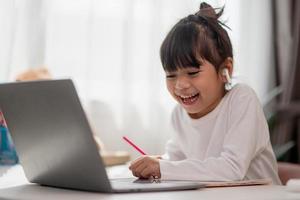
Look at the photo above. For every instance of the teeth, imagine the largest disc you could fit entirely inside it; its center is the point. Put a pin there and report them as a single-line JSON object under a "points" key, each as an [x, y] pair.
{"points": [[185, 97]]}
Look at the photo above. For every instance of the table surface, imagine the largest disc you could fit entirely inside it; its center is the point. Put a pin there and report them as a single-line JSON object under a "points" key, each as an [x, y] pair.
{"points": [[13, 185]]}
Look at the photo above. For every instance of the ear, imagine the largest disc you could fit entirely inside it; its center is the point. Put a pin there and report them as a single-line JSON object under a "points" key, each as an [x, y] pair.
{"points": [[227, 64]]}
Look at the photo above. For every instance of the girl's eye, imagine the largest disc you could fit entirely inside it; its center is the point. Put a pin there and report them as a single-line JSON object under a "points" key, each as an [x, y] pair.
{"points": [[193, 73], [170, 76]]}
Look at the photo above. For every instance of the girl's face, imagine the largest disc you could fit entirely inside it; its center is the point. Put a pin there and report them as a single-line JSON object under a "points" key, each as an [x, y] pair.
{"points": [[198, 90]]}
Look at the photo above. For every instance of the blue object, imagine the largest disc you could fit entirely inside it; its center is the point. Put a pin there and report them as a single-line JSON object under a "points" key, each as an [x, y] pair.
{"points": [[8, 155]]}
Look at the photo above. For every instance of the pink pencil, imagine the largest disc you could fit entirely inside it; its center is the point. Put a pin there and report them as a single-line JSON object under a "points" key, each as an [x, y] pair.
{"points": [[134, 146]]}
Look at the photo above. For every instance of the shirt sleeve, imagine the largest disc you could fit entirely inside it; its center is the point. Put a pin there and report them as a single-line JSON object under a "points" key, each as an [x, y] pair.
{"points": [[244, 138], [173, 151]]}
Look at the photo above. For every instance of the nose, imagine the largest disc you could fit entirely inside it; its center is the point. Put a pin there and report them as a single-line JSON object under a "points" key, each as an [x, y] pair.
{"points": [[182, 83]]}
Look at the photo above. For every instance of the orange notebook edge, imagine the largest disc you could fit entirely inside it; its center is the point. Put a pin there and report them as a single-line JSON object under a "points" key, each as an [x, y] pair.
{"points": [[237, 183]]}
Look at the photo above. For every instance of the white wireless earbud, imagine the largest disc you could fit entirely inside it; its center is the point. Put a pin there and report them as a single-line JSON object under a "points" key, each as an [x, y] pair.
{"points": [[227, 76]]}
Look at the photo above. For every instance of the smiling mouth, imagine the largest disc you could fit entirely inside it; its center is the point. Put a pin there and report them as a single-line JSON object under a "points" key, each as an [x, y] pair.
{"points": [[190, 99]]}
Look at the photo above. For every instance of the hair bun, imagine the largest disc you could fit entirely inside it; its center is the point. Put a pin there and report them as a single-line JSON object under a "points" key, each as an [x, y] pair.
{"points": [[207, 11]]}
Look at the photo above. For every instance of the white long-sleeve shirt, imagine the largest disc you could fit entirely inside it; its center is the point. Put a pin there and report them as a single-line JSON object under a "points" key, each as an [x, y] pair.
{"points": [[229, 143]]}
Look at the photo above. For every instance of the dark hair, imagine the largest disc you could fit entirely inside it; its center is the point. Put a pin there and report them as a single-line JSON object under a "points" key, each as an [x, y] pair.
{"points": [[194, 38]]}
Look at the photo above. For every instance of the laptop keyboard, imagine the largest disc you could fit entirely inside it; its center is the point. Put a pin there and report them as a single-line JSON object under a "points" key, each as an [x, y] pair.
{"points": [[143, 183], [139, 185]]}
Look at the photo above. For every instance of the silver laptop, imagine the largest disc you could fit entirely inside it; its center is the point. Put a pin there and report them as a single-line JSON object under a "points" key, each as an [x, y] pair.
{"points": [[54, 141]]}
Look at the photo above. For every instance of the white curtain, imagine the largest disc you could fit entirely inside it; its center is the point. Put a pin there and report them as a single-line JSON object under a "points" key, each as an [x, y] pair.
{"points": [[110, 48]]}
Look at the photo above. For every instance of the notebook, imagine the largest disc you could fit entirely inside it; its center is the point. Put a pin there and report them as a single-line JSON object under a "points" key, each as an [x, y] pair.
{"points": [[54, 141]]}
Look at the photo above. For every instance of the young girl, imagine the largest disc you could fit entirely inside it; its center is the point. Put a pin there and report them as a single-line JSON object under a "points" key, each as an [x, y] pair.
{"points": [[220, 133]]}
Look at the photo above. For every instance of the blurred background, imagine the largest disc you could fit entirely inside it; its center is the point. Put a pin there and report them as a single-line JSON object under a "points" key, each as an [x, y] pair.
{"points": [[110, 48]]}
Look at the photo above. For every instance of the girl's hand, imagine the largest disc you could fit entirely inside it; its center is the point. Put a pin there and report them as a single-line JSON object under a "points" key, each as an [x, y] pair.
{"points": [[146, 167]]}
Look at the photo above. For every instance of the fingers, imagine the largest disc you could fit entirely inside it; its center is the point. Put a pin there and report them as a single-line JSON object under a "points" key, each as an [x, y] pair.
{"points": [[134, 164], [147, 172], [135, 174], [139, 169], [142, 171], [145, 167]]}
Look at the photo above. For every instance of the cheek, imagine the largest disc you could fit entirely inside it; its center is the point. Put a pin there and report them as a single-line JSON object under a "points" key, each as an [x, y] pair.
{"points": [[207, 87], [210, 82], [170, 86]]}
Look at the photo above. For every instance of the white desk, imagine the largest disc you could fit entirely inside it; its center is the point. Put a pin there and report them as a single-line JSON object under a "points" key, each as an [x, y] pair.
{"points": [[24, 190], [35, 192]]}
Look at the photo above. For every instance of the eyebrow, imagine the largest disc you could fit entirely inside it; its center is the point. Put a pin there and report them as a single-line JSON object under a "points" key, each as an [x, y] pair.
{"points": [[184, 69]]}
